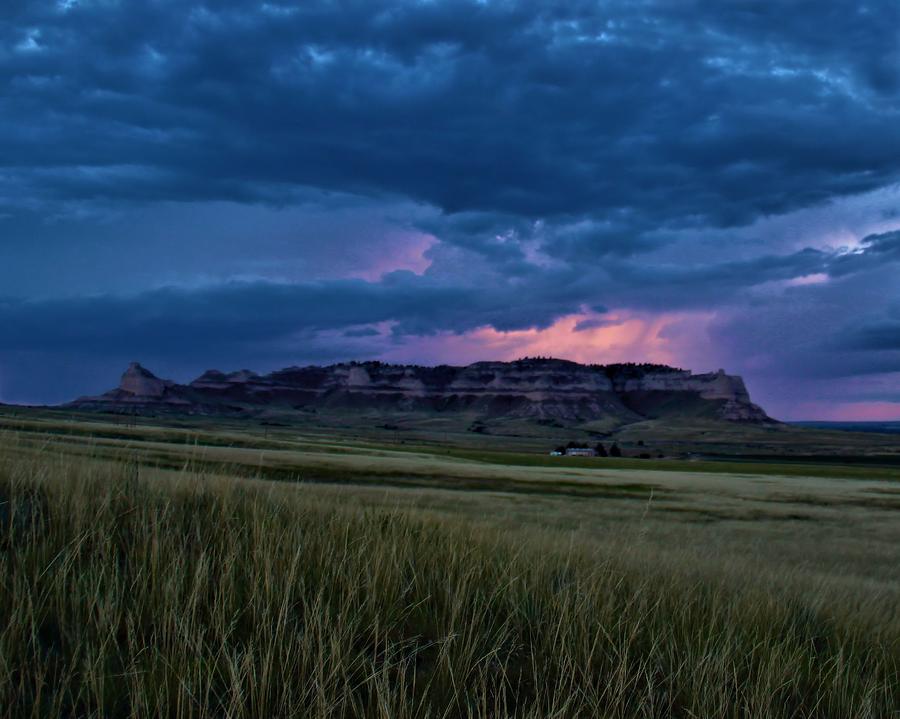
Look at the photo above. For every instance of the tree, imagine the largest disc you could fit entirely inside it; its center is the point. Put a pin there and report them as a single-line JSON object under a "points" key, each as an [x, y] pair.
{"points": [[560, 449], [614, 451], [601, 450]]}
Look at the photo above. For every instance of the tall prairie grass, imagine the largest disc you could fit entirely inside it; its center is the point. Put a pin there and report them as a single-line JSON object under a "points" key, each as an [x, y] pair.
{"points": [[135, 595]]}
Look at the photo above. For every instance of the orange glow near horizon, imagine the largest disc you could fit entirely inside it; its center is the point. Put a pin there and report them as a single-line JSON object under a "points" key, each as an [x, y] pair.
{"points": [[618, 337], [680, 339]]}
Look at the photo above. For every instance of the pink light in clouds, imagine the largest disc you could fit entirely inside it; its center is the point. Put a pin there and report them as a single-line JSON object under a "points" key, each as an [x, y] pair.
{"points": [[815, 279], [620, 337], [675, 338], [404, 251]]}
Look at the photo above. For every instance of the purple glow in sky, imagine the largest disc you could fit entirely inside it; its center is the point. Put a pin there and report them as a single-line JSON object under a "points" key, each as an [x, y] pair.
{"points": [[230, 184]]}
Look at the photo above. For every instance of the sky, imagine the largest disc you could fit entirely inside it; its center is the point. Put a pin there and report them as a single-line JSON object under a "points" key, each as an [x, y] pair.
{"points": [[227, 184]]}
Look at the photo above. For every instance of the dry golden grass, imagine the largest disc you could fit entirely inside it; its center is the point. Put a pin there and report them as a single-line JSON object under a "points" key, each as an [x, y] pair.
{"points": [[129, 592]]}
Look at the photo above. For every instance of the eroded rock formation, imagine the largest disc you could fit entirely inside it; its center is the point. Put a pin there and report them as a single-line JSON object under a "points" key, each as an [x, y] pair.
{"points": [[528, 388]]}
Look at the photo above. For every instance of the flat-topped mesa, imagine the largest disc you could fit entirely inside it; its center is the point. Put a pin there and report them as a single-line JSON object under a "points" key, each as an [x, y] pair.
{"points": [[214, 379], [528, 388], [728, 391], [714, 385]]}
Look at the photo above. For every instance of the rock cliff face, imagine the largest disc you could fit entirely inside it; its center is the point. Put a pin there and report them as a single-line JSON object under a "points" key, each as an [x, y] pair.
{"points": [[138, 387], [529, 388], [140, 382]]}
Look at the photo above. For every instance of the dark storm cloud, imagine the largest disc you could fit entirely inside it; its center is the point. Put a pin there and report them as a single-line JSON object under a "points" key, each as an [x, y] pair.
{"points": [[873, 251], [657, 113], [549, 157], [639, 283], [362, 332], [874, 334], [273, 324], [211, 319], [215, 317], [877, 336], [826, 342], [592, 324], [52, 349]]}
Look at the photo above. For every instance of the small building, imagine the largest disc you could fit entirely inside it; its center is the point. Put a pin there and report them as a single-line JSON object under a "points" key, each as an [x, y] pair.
{"points": [[581, 452], [556, 453]]}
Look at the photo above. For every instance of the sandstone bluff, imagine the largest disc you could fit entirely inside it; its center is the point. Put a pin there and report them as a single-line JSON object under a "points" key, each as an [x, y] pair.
{"points": [[532, 388]]}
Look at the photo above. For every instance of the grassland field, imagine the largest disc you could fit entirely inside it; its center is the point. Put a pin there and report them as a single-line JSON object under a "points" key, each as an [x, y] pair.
{"points": [[150, 565]]}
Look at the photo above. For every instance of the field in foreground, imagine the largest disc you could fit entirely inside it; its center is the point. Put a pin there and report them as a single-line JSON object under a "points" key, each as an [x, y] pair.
{"points": [[135, 587]]}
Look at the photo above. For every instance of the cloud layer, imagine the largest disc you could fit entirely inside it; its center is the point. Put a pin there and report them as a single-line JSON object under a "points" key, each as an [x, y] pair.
{"points": [[230, 183]]}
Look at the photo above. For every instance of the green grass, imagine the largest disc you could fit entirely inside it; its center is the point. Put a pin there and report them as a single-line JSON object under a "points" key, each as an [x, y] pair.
{"points": [[75, 429], [134, 592], [788, 468]]}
